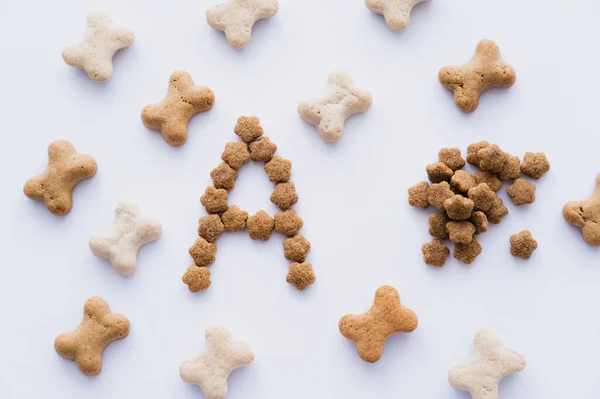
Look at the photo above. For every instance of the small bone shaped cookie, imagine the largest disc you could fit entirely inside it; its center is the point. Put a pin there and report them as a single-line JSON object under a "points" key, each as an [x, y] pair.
{"points": [[65, 169], [237, 17], [341, 100], [395, 12], [586, 216], [95, 52], [491, 362], [131, 231], [219, 358], [87, 342], [172, 115], [370, 330], [484, 71]]}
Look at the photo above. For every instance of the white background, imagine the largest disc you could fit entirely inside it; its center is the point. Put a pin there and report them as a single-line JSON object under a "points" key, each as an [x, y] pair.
{"points": [[352, 198]]}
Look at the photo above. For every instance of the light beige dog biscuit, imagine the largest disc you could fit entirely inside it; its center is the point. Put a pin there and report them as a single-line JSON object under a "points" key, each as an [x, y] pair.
{"points": [[341, 100], [395, 12], [213, 365], [586, 216], [131, 231], [87, 342], [237, 17], [95, 52], [491, 362], [172, 115], [65, 169]]}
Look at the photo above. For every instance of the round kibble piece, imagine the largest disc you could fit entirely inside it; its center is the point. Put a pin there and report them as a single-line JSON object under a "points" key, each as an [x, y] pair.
{"points": [[437, 225], [535, 165], [438, 193], [284, 195], [467, 253], [214, 200], [260, 226], [459, 207], [511, 169], [248, 128], [418, 195], [279, 169], [463, 181], [489, 178], [301, 275], [203, 252], [460, 232], [296, 248], [234, 219], [288, 222], [435, 253], [497, 211], [438, 172], [197, 278], [521, 192], [224, 176], [210, 228], [523, 244], [236, 154], [452, 158], [473, 152], [480, 222], [491, 158], [482, 196], [262, 150]]}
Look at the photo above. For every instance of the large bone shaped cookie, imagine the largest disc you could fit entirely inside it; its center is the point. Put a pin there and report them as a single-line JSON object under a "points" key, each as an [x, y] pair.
{"points": [[95, 52], [131, 231], [237, 17], [341, 100], [491, 362], [586, 215], [219, 358], [87, 342], [65, 169], [395, 12]]}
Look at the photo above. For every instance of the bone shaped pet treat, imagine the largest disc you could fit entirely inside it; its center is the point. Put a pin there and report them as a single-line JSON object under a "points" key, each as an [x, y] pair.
{"points": [[95, 52], [586, 216], [131, 231], [491, 362], [484, 71], [172, 115], [87, 342], [341, 100], [395, 12], [237, 17], [370, 330], [65, 169], [220, 357]]}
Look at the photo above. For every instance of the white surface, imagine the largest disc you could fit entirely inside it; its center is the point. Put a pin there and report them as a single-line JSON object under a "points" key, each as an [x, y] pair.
{"points": [[352, 199]]}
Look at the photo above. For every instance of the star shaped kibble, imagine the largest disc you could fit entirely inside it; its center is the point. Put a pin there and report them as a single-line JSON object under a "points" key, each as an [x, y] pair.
{"points": [[491, 362], [586, 216], [210, 369], [131, 231]]}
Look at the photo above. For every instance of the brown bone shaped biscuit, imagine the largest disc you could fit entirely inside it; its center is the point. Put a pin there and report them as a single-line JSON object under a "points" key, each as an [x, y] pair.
{"points": [[87, 342], [586, 216], [172, 115], [65, 169], [371, 329], [484, 71]]}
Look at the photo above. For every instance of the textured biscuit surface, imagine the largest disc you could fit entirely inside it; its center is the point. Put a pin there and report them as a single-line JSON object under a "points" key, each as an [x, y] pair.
{"points": [[130, 232], [87, 342], [395, 12], [65, 169], [491, 362], [220, 356], [342, 99], [586, 215], [371, 329], [95, 52]]}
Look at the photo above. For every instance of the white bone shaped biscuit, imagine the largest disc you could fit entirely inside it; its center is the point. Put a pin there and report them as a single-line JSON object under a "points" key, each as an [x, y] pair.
{"points": [[237, 17], [395, 12], [342, 100], [131, 231], [221, 355], [95, 52], [491, 362]]}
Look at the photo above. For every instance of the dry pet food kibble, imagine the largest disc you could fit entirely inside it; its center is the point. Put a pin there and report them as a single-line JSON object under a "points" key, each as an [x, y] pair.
{"points": [[395, 12], [65, 169], [437, 225], [248, 128], [237, 17], [284, 195], [521, 192], [491, 158], [236, 154], [296, 248], [459, 207], [438, 172], [497, 212], [211, 368], [522, 244], [511, 169], [435, 253], [586, 215], [482, 197], [279, 170], [172, 115], [214, 200], [210, 227], [438, 193], [260, 226], [491, 362], [489, 178], [484, 71], [234, 219], [262, 150], [371, 329], [95, 52], [203, 252], [288, 222], [463, 181], [224, 176], [460, 232], [452, 158], [341, 100], [87, 342], [535, 165], [467, 253], [197, 278], [418, 195], [480, 222], [130, 232], [301, 275]]}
